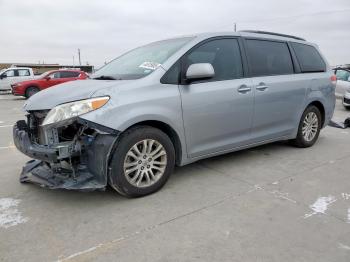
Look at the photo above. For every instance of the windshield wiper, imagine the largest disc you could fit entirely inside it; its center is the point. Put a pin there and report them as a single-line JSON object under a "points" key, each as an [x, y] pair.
{"points": [[105, 78]]}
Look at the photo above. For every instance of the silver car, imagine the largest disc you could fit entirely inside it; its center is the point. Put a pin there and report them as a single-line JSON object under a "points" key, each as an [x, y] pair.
{"points": [[343, 86], [174, 102]]}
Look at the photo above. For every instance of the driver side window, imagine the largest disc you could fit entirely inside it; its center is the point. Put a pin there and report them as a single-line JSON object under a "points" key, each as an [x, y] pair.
{"points": [[9, 73], [55, 75], [223, 54]]}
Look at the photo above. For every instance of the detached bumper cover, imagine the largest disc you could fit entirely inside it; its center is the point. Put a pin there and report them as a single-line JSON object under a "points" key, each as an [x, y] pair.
{"points": [[47, 169], [39, 172], [344, 125]]}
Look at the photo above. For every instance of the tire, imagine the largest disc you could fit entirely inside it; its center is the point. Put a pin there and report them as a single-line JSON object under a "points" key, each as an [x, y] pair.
{"points": [[303, 140], [128, 175], [30, 91]]}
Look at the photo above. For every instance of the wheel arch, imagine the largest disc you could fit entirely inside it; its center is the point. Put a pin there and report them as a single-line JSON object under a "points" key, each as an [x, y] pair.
{"points": [[320, 107], [29, 86], [169, 131]]}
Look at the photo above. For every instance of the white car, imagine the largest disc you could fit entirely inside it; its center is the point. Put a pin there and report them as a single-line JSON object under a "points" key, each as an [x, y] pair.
{"points": [[343, 86], [14, 75]]}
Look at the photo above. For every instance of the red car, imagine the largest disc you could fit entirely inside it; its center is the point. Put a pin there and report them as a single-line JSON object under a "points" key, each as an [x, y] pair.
{"points": [[46, 80]]}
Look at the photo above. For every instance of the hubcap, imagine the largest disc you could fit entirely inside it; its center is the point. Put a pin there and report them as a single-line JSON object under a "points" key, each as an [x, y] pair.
{"points": [[32, 92], [310, 126], [145, 163]]}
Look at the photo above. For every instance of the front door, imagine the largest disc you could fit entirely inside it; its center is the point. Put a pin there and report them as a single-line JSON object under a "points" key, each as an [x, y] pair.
{"points": [[7, 79], [54, 79], [217, 112]]}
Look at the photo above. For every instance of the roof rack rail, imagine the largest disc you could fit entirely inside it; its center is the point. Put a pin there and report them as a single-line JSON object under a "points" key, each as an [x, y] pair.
{"points": [[272, 33]]}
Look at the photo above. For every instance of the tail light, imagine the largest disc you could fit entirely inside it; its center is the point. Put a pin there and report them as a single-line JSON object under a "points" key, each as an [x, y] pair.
{"points": [[334, 79]]}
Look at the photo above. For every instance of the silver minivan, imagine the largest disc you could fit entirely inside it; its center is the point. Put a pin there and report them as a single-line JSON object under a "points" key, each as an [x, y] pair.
{"points": [[171, 103]]}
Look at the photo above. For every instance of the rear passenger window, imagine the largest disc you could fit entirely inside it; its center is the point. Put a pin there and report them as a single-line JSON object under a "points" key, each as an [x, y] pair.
{"points": [[343, 75], [23, 72], [269, 58], [69, 74], [309, 58], [223, 54]]}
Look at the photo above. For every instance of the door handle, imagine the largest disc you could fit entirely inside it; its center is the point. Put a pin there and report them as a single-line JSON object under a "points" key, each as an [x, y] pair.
{"points": [[262, 87], [244, 89]]}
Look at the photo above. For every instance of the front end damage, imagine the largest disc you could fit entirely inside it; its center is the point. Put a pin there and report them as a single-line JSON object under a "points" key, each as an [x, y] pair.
{"points": [[72, 155]]}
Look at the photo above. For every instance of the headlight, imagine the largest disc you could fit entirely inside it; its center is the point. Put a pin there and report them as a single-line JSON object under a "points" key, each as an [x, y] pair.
{"points": [[74, 109]]}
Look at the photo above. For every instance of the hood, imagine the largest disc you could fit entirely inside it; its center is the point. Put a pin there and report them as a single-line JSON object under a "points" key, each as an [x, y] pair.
{"points": [[67, 92]]}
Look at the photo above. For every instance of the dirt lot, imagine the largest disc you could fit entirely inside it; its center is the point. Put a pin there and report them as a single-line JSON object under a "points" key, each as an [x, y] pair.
{"points": [[270, 203]]}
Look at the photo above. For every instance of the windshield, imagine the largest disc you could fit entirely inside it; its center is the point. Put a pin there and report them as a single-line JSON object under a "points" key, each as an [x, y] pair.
{"points": [[141, 61]]}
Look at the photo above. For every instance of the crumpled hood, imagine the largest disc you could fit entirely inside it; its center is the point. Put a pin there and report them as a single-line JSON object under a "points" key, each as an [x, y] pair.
{"points": [[66, 92]]}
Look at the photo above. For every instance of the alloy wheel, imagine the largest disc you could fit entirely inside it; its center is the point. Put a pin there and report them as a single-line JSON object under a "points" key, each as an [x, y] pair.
{"points": [[310, 126], [145, 163]]}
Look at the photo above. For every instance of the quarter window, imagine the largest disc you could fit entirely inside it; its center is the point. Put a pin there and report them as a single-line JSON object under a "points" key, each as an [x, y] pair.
{"points": [[269, 58], [223, 54], [309, 58]]}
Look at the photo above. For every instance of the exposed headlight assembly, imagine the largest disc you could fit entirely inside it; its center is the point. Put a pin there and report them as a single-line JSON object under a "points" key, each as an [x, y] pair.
{"points": [[73, 109]]}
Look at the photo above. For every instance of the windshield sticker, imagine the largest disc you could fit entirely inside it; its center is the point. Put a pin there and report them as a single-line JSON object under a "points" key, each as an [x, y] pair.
{"points": [[150, 65]]}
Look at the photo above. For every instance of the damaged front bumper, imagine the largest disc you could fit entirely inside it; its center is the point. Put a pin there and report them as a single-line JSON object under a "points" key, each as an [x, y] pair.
{"points": [[79, 162]]}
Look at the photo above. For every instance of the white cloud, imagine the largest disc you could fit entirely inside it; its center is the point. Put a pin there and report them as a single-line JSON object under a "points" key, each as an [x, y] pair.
{"points": [[53, 30]]}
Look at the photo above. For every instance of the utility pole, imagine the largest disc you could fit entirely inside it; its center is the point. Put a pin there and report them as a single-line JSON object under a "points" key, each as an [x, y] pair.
{"points": [[235, 27], [73, 61], [79, 56]]}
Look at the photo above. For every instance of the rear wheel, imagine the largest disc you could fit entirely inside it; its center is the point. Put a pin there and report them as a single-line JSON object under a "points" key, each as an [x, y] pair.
{"points": [[31, 91], [309, 127], [142, 162]]}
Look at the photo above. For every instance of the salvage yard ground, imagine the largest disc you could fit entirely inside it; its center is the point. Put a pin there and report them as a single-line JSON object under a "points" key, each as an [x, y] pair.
{"points": [[270, 203]]}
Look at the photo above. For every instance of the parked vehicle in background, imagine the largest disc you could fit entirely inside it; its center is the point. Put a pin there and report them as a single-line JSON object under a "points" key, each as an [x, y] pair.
{"points": [[46, 80], [343, 85], [175, 102], [13, 75]]}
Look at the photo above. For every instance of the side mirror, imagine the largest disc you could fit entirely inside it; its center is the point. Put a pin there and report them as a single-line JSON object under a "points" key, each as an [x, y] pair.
{"points": [[3, 76], [200, 71], [47, 78]]}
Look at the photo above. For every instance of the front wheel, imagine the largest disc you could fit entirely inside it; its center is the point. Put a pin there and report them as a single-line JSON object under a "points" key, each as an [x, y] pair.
{"points": [[142, 162], [309, 127], [31, 91]]}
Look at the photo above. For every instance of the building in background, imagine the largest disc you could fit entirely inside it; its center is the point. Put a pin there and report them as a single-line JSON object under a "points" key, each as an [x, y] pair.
{"points": [[42, 68]]}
